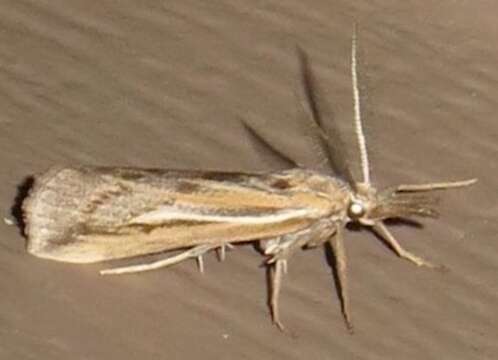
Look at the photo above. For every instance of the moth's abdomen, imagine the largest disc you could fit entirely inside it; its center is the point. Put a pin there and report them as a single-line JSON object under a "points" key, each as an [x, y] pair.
{"points": [[51, 213]]}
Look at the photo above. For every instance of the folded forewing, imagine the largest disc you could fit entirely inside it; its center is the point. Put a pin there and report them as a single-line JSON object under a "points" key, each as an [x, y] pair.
{"points": [[94, 214]]}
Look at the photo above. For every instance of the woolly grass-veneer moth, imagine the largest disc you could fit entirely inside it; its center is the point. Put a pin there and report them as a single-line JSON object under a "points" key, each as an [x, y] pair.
{"points": [[91, 214]]}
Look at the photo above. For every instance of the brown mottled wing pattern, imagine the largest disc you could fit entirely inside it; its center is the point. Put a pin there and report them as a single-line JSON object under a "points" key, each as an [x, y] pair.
{"points": [[91, 214]]}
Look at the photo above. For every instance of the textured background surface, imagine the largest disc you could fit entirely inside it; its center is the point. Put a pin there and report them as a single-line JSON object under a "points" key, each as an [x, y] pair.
{"points": [[165, 85]]}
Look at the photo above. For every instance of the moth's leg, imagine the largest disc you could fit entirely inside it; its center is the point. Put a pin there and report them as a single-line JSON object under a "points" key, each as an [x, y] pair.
{"points": [[200, 263], [195, 252], [281, 248], [221, 251], [268, 245], [276, 284], [285, 267], [277, 269], [337, 243], [384, 232]]}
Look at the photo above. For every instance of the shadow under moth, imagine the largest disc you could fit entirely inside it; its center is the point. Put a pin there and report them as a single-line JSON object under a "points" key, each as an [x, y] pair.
{"points": [[91, 214]]}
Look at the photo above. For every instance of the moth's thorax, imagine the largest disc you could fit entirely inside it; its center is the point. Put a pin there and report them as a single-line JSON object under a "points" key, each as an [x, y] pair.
{"points": [[334, 191]]}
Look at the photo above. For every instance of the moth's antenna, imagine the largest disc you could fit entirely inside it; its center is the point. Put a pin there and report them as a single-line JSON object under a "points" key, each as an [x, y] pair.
{"points": [[360, 135]]}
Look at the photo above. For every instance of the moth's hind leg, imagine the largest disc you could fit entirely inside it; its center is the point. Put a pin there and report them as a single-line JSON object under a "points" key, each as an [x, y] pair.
{"points": [[195, 252], [280, 249], [277, 268], [277, 272]]}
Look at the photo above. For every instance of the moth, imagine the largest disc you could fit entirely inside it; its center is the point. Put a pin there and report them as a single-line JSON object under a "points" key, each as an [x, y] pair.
{"points": [[90, 214]]}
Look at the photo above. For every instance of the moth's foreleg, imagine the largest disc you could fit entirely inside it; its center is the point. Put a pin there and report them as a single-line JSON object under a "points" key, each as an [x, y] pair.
{"points": [[195, 252], [337, 243], [385, 234]]}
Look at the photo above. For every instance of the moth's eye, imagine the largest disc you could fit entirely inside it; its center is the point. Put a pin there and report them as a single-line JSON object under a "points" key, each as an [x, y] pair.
{"points": [[356, 210]]}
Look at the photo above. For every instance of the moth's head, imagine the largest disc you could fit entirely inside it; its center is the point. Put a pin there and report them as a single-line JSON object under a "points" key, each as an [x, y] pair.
{"points": [[368, 206]]}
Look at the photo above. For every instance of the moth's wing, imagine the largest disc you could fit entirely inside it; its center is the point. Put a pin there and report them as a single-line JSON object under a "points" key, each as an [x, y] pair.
{"points": [[330, 147], [95, 214]]}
